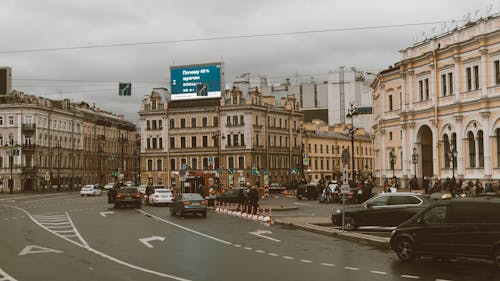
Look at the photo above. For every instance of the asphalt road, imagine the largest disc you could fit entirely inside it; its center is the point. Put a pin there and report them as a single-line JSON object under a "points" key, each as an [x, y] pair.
{"points": [[67, 237]]}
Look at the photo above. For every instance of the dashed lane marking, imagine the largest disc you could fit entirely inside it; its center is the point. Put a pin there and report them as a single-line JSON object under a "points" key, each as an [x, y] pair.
{"points": [[236, 245], [378, 272], [288, 258], [273, 254], [327, 264], [410, 276], [260, 251], [351, 268], [247, 248], [306, 261]]}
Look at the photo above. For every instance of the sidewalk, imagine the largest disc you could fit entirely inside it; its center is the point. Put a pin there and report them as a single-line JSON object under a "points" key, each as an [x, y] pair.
{"points": [[313, 224]]}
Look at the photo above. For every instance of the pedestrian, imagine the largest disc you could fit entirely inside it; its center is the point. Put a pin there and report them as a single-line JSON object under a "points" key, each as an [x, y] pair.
{"points": [[253, 197], [212, 194], [241, 200]]}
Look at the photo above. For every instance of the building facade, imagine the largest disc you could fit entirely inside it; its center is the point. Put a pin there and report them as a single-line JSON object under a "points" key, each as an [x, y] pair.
{"points": [[235, 140], [50, 144], [437, 110], [323, 146]]}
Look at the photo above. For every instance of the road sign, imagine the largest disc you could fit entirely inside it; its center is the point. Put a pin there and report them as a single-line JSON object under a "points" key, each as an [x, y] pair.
{"points": [[345, 177], [230, 171], [47, 176], [184, 166], [15, 152], [294, 171], [344, 188], [345, 156], [125, 89], [219, 170]]}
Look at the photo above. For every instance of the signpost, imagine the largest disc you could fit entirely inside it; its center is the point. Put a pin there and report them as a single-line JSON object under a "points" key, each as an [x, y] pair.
{"points": [[125, 89], [344, 188]]}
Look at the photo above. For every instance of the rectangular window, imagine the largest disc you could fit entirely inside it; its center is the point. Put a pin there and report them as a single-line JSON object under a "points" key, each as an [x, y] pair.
{"points": [[228, 121], [426, 82], [150, 165], [193, 122], [235, 120], [159, 165], [204, 122], [160, 125], [183, 142], [390, 102], [443, 85], [216, 121], [172, 123], [172, 142], [193, 141], [172, 164], [256, 120], [230, 162], [153, 124], [148, 143], [205, 141], [320, 148], [242, 139], [468, 74], [147, 125], [241, 162], [11, 121], [476, 77], [241, 120], [257, 140], [160, 143], [421, 90], [315, 148], [228, 140], [235, 140], [1, 120], [155, 146], [183, 123], [194, 163], [497, 73], [205, 163], [450, 83], [390, 135]]}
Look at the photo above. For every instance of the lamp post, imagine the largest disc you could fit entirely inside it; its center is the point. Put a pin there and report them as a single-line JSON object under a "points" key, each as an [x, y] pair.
{"points": [[352, 111], [392, 158], [216, 137], [122, 139], [453, 155], [58, 146], [414, 160]]}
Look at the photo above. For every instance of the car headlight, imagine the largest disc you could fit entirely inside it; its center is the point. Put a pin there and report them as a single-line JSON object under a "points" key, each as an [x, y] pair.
{"points": [[338, 211]]}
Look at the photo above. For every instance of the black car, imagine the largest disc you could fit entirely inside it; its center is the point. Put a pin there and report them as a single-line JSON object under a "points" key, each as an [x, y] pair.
{"points": [[465, 227], [385, 209], [308, 191], [128, 196], [230, 195], [188, 203]]}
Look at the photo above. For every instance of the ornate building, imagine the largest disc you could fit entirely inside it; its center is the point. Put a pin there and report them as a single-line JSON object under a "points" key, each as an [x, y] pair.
{"points": [[58, 144], [437, 110], [235, 140]]}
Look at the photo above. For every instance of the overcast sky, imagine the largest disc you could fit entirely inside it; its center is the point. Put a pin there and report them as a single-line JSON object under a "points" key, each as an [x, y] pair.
{"points": [[92, 74]]}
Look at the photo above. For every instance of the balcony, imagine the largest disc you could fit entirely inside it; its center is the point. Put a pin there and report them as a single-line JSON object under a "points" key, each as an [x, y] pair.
{"points": [[28, 127], [101, 137], [28, 147]]}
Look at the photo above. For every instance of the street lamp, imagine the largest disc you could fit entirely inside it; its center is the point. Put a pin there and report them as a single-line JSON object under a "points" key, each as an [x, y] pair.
{"points": [[216, 137], [58, 146], [122, 139], [392, 158], [453, 155], [352, 111], [414, 160]]}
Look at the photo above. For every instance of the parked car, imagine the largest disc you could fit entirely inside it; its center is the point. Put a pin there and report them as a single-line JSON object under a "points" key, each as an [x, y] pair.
{"points": [[90, 190], [465, 227], [309, 191], [161, 196], [109, 185], [230, 195], [185, 203], [128, 196], [276, 187], [385, 209]]}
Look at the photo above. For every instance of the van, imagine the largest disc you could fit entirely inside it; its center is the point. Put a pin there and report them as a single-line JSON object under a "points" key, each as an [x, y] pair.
{"points": [[466, 227]]}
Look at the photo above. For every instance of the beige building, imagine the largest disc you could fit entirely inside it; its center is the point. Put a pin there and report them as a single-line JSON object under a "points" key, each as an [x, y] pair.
{"points": [[55, 143], [444, 93], [252, 139], [323, 146]]}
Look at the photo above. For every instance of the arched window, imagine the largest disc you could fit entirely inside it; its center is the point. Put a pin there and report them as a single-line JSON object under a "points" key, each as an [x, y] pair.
{"points": [[446, 150], [472, 150], [481, 148]]}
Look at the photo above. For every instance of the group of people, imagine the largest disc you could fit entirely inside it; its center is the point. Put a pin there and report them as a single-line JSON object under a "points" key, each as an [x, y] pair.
{"points": [[459, 187], [331, 189]]}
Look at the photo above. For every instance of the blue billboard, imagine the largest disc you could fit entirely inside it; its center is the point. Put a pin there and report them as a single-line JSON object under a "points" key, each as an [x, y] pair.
{"points": [[196, 81]]}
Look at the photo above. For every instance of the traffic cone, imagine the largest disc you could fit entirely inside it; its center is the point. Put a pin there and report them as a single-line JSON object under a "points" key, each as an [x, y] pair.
{"points": [[270, 217]]}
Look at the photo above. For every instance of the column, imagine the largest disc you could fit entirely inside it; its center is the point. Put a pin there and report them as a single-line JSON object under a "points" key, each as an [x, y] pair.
{"points": [[435, 151], [404, 149], [403, 92], [483, 72], [456, 84], [382, 154], [411, 98], [413, 144], [460, 146], [486, 144]]}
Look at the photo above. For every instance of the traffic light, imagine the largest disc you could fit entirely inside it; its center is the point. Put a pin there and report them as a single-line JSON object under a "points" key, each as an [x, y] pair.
{"points": [[115, 173]]}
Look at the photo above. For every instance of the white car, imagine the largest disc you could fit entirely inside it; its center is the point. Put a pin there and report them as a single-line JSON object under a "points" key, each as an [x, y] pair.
{"points": [[109, 185], [161, 196], [90, 190]]}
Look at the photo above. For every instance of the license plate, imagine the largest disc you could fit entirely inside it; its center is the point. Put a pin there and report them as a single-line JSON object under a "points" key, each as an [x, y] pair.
{"points": [[195, 204]]}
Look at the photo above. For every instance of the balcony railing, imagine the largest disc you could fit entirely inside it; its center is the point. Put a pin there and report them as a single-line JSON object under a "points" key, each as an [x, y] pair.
{"points": [[28, 126]]}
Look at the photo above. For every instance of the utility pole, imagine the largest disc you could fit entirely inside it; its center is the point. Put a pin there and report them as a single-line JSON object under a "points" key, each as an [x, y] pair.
{"points": [[351, 113]]}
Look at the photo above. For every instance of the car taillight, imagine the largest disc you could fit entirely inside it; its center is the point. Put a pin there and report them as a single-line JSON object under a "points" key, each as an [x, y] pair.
{"points": [[186, 203], [137, 195], [203, 202], [118, 195]]}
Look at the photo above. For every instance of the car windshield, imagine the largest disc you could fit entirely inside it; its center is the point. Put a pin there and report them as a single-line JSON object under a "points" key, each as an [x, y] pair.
{"points": [[128, 190], [88, 187], [191, 196]]}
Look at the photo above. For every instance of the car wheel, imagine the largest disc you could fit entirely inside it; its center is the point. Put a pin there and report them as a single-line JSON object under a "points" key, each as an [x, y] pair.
{"points": [[405, 249], [81, 195], [496, 257], [349, 223]]}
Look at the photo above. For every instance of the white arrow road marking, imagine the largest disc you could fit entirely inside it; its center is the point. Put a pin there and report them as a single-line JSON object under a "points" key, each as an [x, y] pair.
{"points": [[30, 250], [146, 240], [260, 233], [106, 213], [6, 277]]}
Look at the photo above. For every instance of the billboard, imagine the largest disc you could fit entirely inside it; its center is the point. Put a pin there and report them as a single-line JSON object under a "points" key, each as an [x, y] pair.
{"points": [[196, 81]]}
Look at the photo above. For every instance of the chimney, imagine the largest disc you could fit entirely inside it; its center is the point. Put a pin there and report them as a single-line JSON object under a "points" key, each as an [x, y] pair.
{"points": [[5, 81]]}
